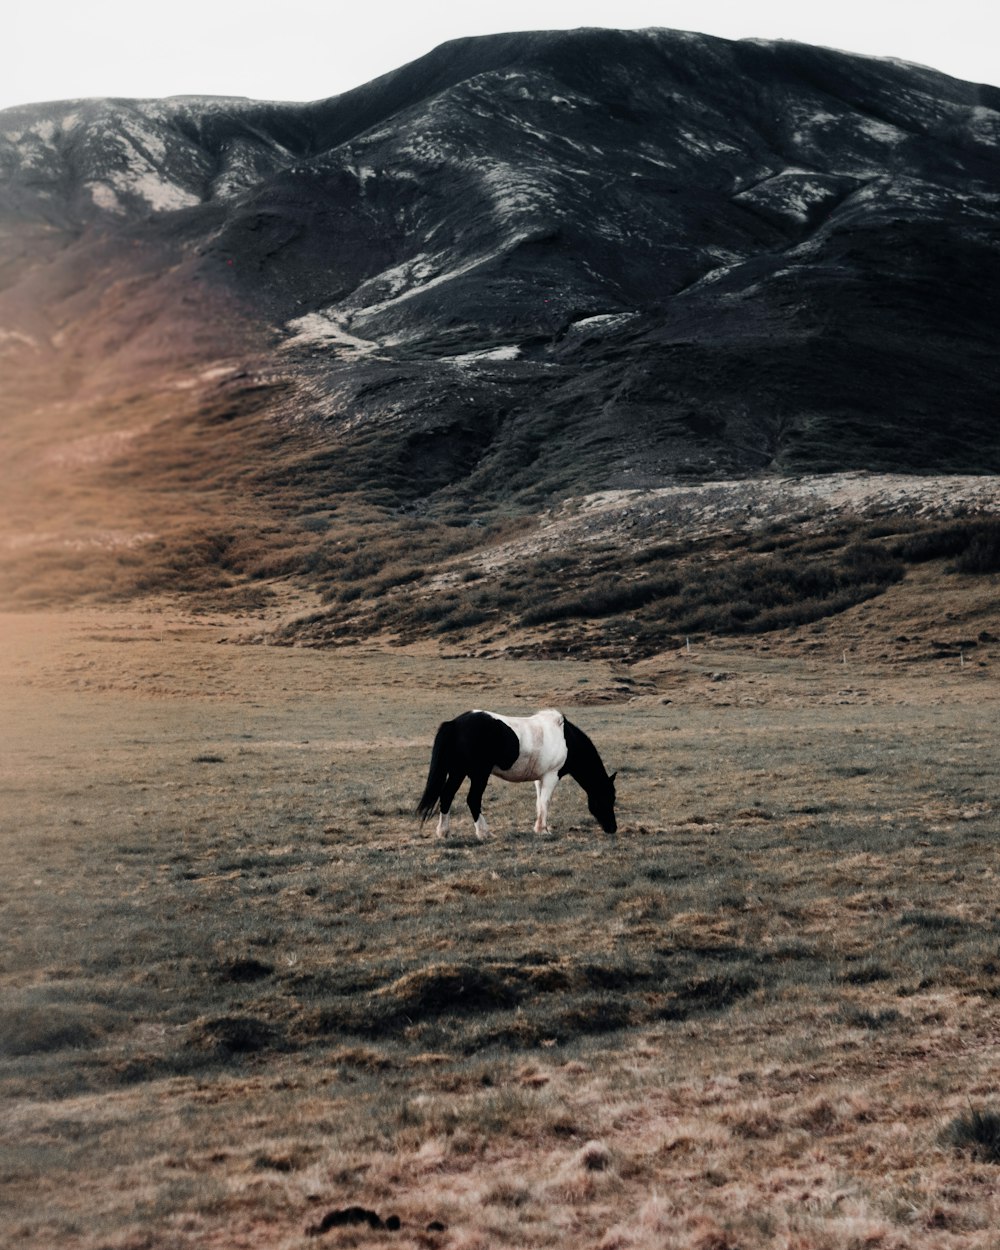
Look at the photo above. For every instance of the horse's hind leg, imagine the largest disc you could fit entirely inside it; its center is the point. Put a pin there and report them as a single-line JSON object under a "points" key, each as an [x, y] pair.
{"points": [[447, 798], [477, 788]]}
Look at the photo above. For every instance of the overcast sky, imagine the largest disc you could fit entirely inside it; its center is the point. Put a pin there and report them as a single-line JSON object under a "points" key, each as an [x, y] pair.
{"points": [[311, 49]]}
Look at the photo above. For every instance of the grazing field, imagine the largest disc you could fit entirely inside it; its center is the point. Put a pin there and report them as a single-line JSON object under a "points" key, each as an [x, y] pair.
{"points": [[247, 1001]]}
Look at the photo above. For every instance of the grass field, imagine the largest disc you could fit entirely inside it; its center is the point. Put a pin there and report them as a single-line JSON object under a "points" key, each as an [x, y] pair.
{"points": [[247, 1001]]}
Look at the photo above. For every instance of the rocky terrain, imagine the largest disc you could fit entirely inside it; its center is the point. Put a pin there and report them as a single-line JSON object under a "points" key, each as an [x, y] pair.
{"points": [[522, 269]]}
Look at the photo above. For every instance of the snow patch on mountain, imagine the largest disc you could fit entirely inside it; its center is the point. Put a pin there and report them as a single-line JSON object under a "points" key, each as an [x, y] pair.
{"points": [[325, 329], [516, 190], [882, 132], [159, 193], [601, 322], [509, 352], [390, 284], [105, 198], [792, 192], [357, 307]]}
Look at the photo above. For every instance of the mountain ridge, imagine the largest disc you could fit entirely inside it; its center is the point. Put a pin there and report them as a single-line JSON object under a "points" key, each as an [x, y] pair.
{"points": [[519, 269]]}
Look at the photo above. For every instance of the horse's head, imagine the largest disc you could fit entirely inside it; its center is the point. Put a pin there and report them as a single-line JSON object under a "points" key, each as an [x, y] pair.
{"points": [[601, 801]]}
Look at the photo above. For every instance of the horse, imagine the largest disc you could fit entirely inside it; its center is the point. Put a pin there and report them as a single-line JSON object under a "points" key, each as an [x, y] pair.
{"points": [[540, 748]]}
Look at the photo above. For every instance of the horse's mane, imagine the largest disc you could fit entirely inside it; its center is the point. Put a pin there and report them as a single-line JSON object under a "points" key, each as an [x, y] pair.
{"points": [[583, 761]]}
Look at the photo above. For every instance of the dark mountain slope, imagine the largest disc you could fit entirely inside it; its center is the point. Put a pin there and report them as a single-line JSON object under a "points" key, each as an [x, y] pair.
{"points": [[522, 267]]}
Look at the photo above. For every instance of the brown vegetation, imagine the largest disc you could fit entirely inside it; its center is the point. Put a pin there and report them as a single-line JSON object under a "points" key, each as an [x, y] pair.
{"points": [[244, 993]]}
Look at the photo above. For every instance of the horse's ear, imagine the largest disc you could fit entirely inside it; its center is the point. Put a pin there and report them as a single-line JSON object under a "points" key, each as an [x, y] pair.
{"points": [[613, 775]]}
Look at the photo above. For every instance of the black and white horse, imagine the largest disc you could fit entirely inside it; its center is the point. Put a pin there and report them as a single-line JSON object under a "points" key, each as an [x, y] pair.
{"points": [[540, 748]]}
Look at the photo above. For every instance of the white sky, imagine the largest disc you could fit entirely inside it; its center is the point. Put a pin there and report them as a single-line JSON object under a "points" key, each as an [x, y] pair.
{"points": [[310, 49]]}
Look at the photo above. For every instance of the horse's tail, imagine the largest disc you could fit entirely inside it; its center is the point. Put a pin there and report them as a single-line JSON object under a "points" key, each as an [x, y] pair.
{"points": [[438, 773]]}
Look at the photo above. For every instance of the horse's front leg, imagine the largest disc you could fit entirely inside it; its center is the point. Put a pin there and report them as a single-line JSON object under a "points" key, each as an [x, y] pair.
{"points": [[477, 788], [543, 792]]}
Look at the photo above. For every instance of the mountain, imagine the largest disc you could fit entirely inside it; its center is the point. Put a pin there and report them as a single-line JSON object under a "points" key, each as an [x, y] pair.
{"points": [[521, 268]]}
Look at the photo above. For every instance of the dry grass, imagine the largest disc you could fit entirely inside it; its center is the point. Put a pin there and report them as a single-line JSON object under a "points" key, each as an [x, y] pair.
{"points": [[204, 483], [243, 991], [631, 596]]}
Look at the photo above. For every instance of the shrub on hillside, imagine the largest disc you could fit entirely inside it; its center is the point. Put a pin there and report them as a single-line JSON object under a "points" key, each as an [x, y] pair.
{"points": [[973, 544], [749, 594], [982, 555]]}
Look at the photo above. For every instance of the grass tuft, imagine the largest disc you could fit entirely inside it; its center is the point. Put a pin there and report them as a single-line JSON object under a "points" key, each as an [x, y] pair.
{"points": [[34, 1030], [233, 1035], [976, 1131]]}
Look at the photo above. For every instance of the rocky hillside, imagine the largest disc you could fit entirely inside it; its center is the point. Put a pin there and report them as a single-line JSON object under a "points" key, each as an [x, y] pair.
{"points": [[522, 268]]}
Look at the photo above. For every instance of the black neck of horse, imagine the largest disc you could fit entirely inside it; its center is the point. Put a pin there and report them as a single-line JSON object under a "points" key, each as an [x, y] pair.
{"points": [[583, 763]]}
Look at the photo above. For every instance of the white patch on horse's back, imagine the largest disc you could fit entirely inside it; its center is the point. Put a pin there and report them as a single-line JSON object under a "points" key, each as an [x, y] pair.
{"points": [[541, 741], [551, 712]]}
